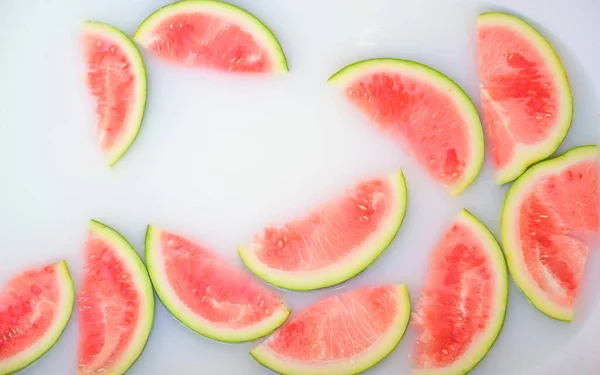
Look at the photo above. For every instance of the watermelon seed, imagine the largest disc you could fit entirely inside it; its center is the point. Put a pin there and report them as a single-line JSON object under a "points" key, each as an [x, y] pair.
{"points": [[362, 207], [444, 351], [543, 216], [170, 26], [541, 123], [124, 276], [260, 305], [267, 311], [112, 49], [549, 115]]}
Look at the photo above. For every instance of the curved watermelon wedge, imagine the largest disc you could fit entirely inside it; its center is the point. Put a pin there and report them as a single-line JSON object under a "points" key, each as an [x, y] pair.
{"points": [[207, 294], [525, 93], [335, 241], [462, 306], [549, 220], [35, 307], [116, 78], [423, 109], [211, 34], [340, 335], [116, 304]]}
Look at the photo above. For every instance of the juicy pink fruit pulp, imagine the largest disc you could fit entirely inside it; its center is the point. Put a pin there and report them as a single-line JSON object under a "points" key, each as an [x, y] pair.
{"points": [[456, 303], [420, 115], [339, 327], [204, 40], [109, 307], [211, 288], [329, 234], [28, 307], [556, 219], [518, 91], [111, 81]]}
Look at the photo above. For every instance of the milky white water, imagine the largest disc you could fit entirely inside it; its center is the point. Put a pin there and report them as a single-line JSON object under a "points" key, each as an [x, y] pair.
{"points": [[220, 157]]}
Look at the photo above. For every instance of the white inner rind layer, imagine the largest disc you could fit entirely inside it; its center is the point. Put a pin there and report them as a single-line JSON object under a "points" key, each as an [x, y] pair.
{"points": [[47, 341], [354, 365], [525, 155], [356, 261], [510, 227], [484, 341], [134, 266], [463, 103], [145, 33], [136, 108], [220, 332]]}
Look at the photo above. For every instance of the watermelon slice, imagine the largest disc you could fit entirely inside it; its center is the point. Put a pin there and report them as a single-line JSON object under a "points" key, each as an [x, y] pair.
{"points": [[116, 304], [35, 307], [211, 34], [525, 94], [423, 109], [208, 295], [550, 219], [116, 78], [462, 307], [340, 335], [335, 241]]}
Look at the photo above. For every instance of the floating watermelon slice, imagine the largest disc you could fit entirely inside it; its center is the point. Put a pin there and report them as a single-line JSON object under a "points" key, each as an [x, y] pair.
{"points": [[335, 241], [550, 219], [462, 307], [116, 304], [116, 78], [208, 295], [340, 335], [526, 98], [211, 34], [423, 109], [35, 307]]}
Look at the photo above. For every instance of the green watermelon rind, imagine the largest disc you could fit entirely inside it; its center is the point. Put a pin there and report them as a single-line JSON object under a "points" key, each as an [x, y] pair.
{"points": [[239, 15], [478, 350], [141, 90], [438, 79], [509, 225], [191, 320], [531, 155], [138, 271], [42, 346], [338, 272], [374, 355]]}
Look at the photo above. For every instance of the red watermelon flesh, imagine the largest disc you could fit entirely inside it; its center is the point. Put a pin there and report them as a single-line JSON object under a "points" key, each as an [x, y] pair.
{"points": [[211, 34], [458, 299], [109, 307], [213, 289], [335, 229], [419, 114], [28, 308], [526, 97], [204, 40], [517, 88], [558, 221], [111, 79], [338, 327]]}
